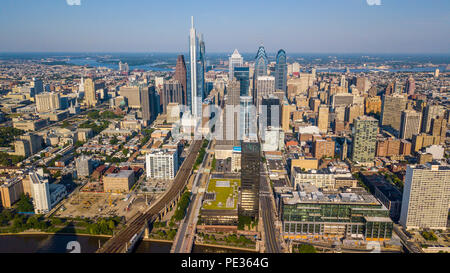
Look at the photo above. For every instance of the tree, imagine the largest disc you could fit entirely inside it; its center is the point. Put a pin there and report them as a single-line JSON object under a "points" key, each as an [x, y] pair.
{"points": [[303, 248], [25, 204]]}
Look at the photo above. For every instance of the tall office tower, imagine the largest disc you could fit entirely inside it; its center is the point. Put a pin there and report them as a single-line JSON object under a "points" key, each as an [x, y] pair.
{"points": [[364, 138], [38, 86], [261, 63], [281, 71], [40, 191], [84, 166], [426, 196], [172, 92], [270, 115], [242, 74], [322, 118], [250, 178], [231, 115], [47, 102], [296, 67], [265, 87], [430, 112], [247, 121], [196, 75], [362, 84], [180, 75], [343, 82], [410, 124], [410, 86], [90, 97], [149, 104], [391, 109], [162, 164], [235, 60]]}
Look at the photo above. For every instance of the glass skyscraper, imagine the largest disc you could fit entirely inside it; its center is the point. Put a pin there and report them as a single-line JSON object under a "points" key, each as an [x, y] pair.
{"points": [[250, 178], [242, 74], [281, 71], [261, 63], [196, 75]]}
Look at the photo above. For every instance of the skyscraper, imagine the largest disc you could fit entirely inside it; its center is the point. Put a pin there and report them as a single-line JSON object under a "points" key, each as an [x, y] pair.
{"points": [[364, 139], [196, 81], [322, 119], [409, 124], [250, 178], [391, 109], [89, 93], [38, 86], [172, 91], [231, 115], [242, 74], [426, 196], [281, 71], [235, 60], [430, 112], [180, 76], [261, 63], [270, 113], [265, 87], [149, 104]]}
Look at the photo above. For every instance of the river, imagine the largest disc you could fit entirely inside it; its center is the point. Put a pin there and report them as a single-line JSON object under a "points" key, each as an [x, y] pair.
{"points": [[44, 243]]}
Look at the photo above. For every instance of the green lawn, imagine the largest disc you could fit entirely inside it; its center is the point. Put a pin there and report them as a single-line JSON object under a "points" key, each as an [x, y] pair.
{"points": [[222, 194]]}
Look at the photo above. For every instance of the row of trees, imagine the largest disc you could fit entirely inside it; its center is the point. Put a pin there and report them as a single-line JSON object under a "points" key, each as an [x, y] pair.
{"points": [[182, 206], [7, 135]]}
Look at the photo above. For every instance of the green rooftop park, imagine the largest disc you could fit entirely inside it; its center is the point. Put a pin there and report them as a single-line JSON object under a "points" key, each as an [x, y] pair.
{"points": [[222, 194]]}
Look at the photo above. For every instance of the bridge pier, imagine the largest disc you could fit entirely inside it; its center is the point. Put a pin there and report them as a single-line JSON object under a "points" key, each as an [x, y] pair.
{"points": [[147, 231]]}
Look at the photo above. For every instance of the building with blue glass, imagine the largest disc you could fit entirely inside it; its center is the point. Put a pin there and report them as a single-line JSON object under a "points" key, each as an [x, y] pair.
{"points": [[242, 74], [281, 71]]}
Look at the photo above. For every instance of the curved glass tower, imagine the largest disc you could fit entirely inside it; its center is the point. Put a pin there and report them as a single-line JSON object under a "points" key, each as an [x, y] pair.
{"points": [[281, 71]]}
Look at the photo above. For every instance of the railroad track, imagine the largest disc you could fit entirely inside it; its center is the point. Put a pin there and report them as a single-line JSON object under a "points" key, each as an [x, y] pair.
{"points": [[118, 243]]}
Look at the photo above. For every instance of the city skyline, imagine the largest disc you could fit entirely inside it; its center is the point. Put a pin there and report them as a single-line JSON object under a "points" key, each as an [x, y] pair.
{"points": [[356, 26]]}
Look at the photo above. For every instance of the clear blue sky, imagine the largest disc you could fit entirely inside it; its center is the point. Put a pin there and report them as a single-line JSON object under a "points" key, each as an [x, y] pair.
{"points": [[302, 26]]}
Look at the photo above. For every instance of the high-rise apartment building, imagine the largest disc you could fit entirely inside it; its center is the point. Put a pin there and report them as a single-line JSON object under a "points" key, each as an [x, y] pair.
{"points": [[365, 132], [409, 124], [162, 164], [231, 115], [84, 166], [426, 196], [281, 71], [250, 178]]}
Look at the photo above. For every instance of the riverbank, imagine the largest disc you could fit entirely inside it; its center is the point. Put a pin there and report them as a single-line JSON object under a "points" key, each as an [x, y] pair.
{"points": [[54, 233], [227, 247]]}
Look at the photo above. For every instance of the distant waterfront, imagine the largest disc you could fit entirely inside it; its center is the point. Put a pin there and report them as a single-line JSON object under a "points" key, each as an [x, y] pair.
{"points": [[48, 243]]}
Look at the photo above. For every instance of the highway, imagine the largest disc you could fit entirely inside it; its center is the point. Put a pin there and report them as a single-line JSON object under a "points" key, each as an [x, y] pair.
{"points": [[136, 225]]}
